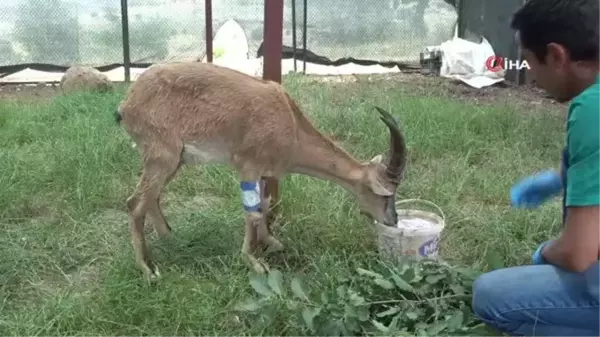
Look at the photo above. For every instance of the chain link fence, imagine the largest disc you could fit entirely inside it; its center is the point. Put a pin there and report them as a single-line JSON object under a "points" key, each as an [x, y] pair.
{"points": [[89, 32], [392, 30]]}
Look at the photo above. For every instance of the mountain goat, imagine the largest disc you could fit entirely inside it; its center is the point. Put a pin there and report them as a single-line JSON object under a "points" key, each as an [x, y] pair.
{"points": [[199, 113]]}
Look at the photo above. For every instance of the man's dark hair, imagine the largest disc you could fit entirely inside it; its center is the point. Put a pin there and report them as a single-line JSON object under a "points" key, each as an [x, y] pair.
{"points": [[570, 23]]}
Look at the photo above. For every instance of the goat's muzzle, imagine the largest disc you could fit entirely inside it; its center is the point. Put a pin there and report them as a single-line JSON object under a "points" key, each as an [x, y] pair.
{"points": [[391, 215]]}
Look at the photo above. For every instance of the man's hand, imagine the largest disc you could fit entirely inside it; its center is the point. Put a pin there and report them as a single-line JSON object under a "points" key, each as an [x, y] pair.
{"points": [[535, 190], [579, 244], [537, 257]]}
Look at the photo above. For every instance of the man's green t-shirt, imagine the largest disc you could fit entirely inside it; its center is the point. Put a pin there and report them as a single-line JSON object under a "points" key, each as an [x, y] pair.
{"points": [[583, 145]]}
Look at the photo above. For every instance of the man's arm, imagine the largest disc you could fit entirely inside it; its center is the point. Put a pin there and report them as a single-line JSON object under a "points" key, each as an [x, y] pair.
{"points": [[579, 244]]}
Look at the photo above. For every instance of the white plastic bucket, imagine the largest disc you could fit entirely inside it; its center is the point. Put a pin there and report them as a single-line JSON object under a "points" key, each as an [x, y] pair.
{"points": [[417, 234]]}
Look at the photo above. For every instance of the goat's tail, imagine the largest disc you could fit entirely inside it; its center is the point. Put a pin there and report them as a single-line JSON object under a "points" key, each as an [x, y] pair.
{"points": [[117, 115]]}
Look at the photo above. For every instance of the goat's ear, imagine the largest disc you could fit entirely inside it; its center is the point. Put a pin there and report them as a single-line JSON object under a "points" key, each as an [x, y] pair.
{"points": [[377, 159], [378, 188]]}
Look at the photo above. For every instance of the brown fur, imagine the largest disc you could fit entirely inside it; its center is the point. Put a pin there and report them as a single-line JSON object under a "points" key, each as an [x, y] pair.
{"points": [[79, 78], [198, 113]]}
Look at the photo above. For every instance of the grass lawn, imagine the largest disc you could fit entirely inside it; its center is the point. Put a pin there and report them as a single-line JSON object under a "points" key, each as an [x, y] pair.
{"points": [[66, 169]]}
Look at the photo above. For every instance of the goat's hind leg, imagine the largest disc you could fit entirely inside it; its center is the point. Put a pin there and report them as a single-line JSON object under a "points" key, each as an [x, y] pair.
{"points": [[158, 169], [137, 217], [154, 211]]}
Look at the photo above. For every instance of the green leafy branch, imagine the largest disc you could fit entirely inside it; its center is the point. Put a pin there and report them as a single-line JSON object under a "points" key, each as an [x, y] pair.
{"points": [[422, 298]]}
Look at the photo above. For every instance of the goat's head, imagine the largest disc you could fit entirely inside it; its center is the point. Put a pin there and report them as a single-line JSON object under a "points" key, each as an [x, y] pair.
{"points": [[377, 189]]}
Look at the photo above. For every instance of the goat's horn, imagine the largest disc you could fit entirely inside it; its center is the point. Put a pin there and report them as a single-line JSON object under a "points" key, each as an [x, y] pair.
{"points": [[398, 152]]}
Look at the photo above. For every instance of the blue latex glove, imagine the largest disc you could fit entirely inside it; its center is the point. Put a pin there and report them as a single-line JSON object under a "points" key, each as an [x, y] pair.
{"points": [[537, 257], [535, 190]]}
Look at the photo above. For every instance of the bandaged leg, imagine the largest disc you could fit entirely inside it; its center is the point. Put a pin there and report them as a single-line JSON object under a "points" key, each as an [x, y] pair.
{"points": [[255, 223], [256, 226]]}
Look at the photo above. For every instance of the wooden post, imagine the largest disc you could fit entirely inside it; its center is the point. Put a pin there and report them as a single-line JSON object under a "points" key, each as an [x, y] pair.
{"points": [[272, 43]]}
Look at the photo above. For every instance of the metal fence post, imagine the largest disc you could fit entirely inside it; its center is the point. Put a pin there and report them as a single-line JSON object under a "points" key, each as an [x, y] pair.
{"points": [[273, 38], [304, 20], [125, 40], [459, 19], [208, 25], [294, 33]]}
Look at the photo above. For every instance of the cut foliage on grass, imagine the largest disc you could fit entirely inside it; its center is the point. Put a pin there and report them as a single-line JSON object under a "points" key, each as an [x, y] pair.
{"points": [[68, 267], [410, 299]]}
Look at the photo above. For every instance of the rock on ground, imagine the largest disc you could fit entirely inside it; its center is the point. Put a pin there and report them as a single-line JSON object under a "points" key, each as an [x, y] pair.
{"points": [[78, 78]]}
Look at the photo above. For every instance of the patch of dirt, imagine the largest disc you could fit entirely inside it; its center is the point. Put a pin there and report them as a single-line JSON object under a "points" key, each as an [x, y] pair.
{"points": [[333, 78], [173, 203], [416, 84], [170, 203], [29, 91], [113, 216], [80, 282]]}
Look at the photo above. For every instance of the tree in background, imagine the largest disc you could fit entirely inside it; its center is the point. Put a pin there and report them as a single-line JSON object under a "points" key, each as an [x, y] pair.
{"points": [[48, 30], [354, 22], [9, 56], [148, 37], [419, 27], [419, 17]]}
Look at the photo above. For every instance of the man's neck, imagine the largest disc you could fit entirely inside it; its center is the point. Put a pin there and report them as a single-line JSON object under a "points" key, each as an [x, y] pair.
{"points": [[584, 76]]}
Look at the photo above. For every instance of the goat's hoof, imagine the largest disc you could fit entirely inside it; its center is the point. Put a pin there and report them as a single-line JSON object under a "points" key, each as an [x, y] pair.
{"points": [[153, 277], [260, 267], [151, 274], [257, 265]]}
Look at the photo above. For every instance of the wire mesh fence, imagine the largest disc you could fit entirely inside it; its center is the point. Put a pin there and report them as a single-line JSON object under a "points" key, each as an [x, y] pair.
{"points": [[89, 32], [395, 30]]}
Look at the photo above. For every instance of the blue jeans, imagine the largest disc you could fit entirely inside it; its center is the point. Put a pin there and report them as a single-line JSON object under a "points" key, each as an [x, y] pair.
{"points": [[539, 300]]}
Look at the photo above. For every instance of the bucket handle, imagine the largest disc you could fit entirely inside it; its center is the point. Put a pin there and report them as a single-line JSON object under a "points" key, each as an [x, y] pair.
{"points": [[422, 201]]}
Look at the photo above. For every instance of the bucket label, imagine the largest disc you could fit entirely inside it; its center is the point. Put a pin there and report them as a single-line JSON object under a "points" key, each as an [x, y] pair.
{"points": [[429, 247]]}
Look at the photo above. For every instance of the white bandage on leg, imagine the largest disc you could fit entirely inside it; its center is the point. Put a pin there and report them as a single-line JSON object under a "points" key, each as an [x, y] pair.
{"points": [[250, 195]]}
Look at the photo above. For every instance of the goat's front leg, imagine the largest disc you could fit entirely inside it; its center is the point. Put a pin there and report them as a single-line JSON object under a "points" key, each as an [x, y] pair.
{"points": [[255, 224]]}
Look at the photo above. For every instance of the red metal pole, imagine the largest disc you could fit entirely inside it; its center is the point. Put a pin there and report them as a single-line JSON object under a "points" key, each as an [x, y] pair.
{"points": [[272, 46], [209, 34], [272, 40]]}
